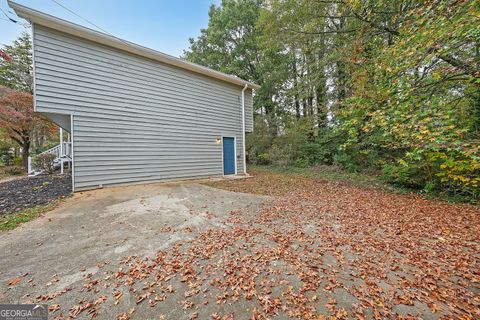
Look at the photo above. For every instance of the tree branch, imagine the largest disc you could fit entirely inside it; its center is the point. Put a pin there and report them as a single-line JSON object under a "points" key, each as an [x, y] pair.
{"points": [[16, 140], [375, 25], [465, 67], [319, 32]]}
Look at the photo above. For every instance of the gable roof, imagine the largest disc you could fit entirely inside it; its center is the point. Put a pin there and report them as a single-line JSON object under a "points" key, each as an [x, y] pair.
{"points": [[52, 22]]}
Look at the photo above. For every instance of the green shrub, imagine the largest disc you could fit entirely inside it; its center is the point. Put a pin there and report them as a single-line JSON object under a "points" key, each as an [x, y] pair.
{"points": [[17, 161], [263, 159], [44, 162], [6, 156], [281, 155], [308, 153], [456, 170], [405, 175], [301, 163], [328, 145], [447, 169], [346, 160], [14, 170]]}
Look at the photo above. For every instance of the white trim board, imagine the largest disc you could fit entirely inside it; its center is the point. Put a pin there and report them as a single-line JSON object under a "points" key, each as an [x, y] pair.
{"points": [[33, 71]]}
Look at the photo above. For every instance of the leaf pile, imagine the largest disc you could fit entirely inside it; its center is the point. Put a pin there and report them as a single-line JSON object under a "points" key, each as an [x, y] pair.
{"points": [[389, 249], [315, 250]]}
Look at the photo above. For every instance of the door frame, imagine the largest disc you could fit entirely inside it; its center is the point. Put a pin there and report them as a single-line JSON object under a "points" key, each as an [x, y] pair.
{"points": [[234, 154]]}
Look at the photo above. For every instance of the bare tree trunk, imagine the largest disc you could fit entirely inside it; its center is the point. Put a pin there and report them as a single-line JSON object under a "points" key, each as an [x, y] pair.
{"points": [[297, 102], [297, 107], [25, 153], [310, 107], [321, 105]]}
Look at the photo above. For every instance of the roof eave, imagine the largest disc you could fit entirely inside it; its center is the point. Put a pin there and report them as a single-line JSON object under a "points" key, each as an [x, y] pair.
{"points": [[49, 21]]}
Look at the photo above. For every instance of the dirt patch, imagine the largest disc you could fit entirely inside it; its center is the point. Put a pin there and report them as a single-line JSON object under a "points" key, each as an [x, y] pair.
{"points": [[28, 192]]}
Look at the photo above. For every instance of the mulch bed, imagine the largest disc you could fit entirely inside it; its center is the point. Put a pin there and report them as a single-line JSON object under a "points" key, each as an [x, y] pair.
{"points": [[28, 192]]}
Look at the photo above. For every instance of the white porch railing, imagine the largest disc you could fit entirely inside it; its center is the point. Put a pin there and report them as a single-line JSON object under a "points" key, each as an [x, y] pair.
{"points": [[63, 149], [62, 152]]}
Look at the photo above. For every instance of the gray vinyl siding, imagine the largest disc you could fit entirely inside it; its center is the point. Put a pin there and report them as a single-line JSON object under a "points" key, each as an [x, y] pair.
{"points": [[135, 119]]}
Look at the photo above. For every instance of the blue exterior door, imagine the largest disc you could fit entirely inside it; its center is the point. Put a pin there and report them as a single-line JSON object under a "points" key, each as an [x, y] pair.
{"points": [[228, 156]]}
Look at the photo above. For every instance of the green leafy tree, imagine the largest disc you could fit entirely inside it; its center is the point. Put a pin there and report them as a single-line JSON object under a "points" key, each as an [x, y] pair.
{"points": [[414, 102], [16, 64], [389, 86], [230, 44]]}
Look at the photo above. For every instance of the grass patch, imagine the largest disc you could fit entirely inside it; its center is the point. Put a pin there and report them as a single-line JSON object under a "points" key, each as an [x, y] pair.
{"points": [[13, 220]]}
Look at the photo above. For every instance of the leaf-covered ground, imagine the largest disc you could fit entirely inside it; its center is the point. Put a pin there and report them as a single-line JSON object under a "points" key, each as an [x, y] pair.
{"points": [[397, 255], [314, 250]]}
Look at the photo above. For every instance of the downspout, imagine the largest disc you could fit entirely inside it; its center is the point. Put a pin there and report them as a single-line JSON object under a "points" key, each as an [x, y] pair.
{"points": [[72, 153], [243, 130]]}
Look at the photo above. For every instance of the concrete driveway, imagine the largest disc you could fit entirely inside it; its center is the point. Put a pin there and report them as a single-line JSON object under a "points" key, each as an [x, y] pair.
{"points": [[57, 255], [313, 249]]}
